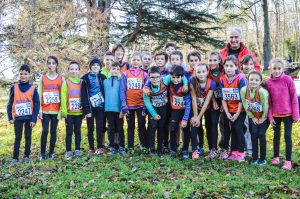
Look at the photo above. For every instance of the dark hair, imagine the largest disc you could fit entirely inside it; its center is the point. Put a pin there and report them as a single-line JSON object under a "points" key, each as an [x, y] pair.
{"points": [[177, 71], [196, 81], [246, 58], [194, 53], [74, 62], [256, 73], [109, 53], [116, 64], [231, 58], [216, 53], [55, 59], [116, 46], [25, 67], [170, 44], [95, 60], [154, 69], [177, 52], [161, 53]]}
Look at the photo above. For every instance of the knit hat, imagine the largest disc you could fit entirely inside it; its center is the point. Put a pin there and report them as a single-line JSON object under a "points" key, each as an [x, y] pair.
{"points": [[94, 61]]}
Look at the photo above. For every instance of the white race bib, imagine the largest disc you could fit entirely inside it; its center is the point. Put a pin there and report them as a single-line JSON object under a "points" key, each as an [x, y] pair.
{"points": [[178, 101], [134, 83], [51, 97], [74, 104], [255, 107], [96, 100], [158, 102], [200, 102], [23, 109], [231, 94]]}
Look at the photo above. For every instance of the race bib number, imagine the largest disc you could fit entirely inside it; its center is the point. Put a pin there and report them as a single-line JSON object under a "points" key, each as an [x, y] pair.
{"points": [[217, 93], [134, 83], [51, 97], [231, 94], [159, 102], [74, 104], [23, 109], [96, 100], [178, 101], [200, 102], [255, 107]]}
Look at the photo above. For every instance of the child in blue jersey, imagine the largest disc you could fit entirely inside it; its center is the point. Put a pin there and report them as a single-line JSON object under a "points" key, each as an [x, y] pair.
{"points": [[113, 109]]}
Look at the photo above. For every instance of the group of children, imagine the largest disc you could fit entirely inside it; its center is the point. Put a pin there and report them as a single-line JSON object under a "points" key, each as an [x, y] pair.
{"points": [[172, 97]]}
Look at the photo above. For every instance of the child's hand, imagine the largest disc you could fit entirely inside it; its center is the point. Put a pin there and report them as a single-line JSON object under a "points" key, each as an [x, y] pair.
{"points": [[235, 116], [183, 124], [260, 121], [185, 89], [197, 122], [193, 120], [32, 124], [255, 121], [41, 115], [88, 115], [11, 121], [273, 123], [221, 109], [146, 91], [143, 113], [229, 116], [215, 105], [156, 117], [121, 115]]}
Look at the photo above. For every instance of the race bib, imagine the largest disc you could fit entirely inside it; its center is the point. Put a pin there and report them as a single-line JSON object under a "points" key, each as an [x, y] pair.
{"points": [[74, 104], [23, 109], [255, 107], [134, 83], [159, 102], [178, 101], [231, 94], [200, 102], [51, 97], [96, 100], [217, 93]]}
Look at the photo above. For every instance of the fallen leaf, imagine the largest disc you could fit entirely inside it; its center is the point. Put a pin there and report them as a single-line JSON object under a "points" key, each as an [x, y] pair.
{"points": [[85, 184]]}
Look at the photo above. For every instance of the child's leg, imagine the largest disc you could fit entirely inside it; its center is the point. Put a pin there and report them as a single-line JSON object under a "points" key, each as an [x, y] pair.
{"points": [[161, 127], [28, 132], [200, 132], [208, 128], [247, 135], [111, 129], [222, 129], [227, 133], [45, 129], [238, 131], [131, 127], [186, 137], [254, 131], [194, 138], [152, 126], [167, 127], [91, 127], [120, 126], [18, 126], [99, 116], [176, 117], [288, 125], [53, 132], [276, 140], [69, 131], [77, 131], [141, 126], [262, 138], [214, 115]]}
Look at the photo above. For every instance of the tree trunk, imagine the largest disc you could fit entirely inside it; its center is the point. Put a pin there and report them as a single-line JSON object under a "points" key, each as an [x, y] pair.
{"points": [[267, 40]]}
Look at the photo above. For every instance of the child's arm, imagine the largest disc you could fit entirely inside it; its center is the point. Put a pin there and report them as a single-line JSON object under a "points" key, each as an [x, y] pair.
{"points": [[224, 103], [123, 88], [294, 100], [63, 104], [40, 91], [243, 98], [36, 107], [264, 95], [149, 106], [205, 105], [187, 111], [270, 111], [85, 101], [194, 104], [10, 104], [167, 80]]}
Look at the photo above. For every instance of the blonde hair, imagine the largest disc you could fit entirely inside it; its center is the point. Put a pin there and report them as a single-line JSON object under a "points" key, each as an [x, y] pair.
{"points": [[276, 61], [136, 54]]}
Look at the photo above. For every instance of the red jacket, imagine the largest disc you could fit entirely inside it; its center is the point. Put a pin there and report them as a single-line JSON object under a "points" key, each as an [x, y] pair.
{"points": [[244, 51]]}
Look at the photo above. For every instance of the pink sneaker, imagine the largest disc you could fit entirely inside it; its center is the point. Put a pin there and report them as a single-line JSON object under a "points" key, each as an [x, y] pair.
{"points": [[276, 161], [195, 155], [91, 152], [287, 165], [224, 155], [240, 157], [99, 151], [212, 154]]}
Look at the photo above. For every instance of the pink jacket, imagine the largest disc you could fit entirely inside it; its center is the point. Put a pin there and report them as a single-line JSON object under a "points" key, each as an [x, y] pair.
{"points": [[282, 97]]}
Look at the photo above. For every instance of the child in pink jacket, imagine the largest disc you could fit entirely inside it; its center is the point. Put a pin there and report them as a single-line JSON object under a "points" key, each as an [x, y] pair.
{"points": [[283, 107]]}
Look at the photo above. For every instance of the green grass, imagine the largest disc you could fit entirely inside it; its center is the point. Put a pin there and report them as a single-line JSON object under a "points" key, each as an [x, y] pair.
{"points": [[140, 176]]}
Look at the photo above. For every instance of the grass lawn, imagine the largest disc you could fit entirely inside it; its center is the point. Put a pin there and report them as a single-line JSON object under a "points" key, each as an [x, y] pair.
{"points": [[139, 176]]}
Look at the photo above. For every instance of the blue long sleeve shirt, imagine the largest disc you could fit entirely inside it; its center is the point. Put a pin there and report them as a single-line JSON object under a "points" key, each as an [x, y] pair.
{"points": [[112, 100]]}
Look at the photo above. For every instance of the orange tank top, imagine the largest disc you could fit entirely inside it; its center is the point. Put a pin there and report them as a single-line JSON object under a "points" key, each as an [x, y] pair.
{"points": [[51, 93], [177, 99], [134, 91], [23, 102], [254, 104], [73, 99], [123, 68]]}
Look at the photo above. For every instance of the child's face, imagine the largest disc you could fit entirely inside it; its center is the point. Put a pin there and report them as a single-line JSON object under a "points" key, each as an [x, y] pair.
{"points": [[154, 78], [276, 69], [108, 60], [136, 61], [169, 50], [193, 61], [146, 60], [52, 65], [230, 68], [248, 67], [213, 62], [73, 70], [176, 79], [175, 60], [201, 72], [95, 68], [160, 60], [114, 71], [254, 81], [24, 76], [119, 53]]}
